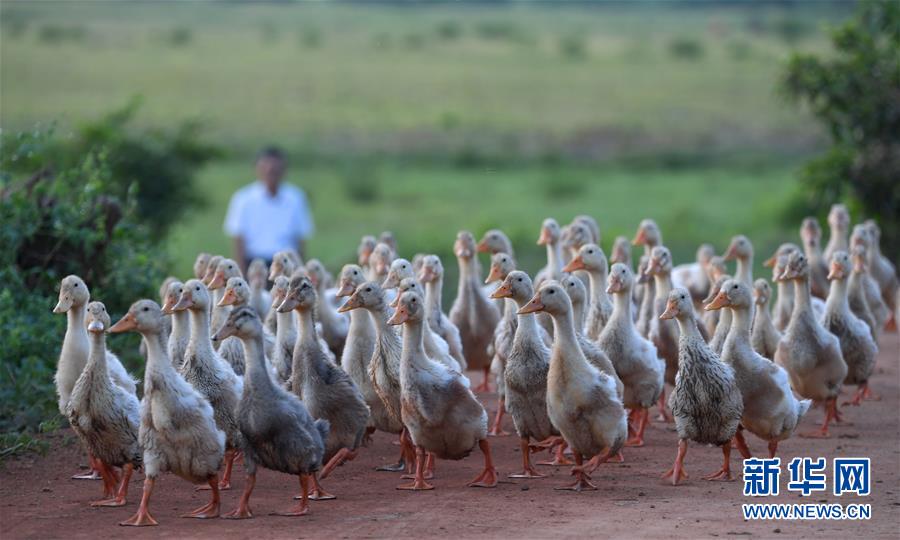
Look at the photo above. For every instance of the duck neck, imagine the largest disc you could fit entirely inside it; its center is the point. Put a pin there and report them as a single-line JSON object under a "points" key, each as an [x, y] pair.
{"points": [[785, 299], [837, 301], [181, 324], [663, 283], [360, 323], [76, 338], [687, 324], [256, 375], [597, 280], [468, 274], [433, 299], [97, 359], [801, 297], [527, 327], [554, 259], [564, 337], [745, 270], [413, 345], [740, 326], [622, 306], [578, 315], [379, 317], [158, 362], [760, 315], [306, 326], [200, 343]]}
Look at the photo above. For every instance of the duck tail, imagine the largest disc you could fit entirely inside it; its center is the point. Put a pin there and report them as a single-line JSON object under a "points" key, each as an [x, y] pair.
{"points": [[802, 407], [323, 427]]}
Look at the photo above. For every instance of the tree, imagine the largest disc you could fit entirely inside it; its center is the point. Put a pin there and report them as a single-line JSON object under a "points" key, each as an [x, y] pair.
{"points": [[855, 93]]}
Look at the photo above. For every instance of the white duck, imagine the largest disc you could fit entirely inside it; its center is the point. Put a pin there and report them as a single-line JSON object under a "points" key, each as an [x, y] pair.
{"points": [[432, 276]]}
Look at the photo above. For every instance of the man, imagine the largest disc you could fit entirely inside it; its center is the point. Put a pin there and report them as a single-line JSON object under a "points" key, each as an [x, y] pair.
{"points": [[268, 216]]}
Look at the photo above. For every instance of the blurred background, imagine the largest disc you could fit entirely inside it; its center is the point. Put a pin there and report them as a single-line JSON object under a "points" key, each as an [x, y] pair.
{"points": [[128, 125]]}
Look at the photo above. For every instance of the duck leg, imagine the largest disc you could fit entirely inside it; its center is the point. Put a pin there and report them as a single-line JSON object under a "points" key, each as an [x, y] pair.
{"points": [[741, 443], [831, 413], [405, 461], [664, 415], [597, 460], [119, 499], [773, 448], [676, 473], [559, 457], [318, 493], [582, 478], [497, 428], [93, 473], [485, 385], [210, 509], [142, 517], [488, 477], [528, 471], [302, 507], [419, 484], [110, 479], [724, 473], [342, 455], [868, 393], [231, 455], [638, 439], [243, 509]]}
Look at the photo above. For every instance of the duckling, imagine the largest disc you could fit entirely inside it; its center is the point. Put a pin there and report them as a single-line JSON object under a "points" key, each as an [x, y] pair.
{"points": [[647, 289], [285, 332], [581, 401], [770, 410], [380, 262], [432, 276], [723, 326], [364, 251], [277, 430], [400, 269], [501, 265], [178, 431], [225, 270], [284, 263], [839, 224], [74, 296], [181, 325], [200, 264], [856, 294], [550, 238], [334, 325], [693, 276], [525, 376], [633, 357], [237, 294], [871, 288], [361, 337], [857, 346], [435, 346], [741, 250], [326, 390], [706, 400], [810, 353], [473, 314], [621, 251], [881, 267], [649, 236], [495, 241], [257, 278], [211, 265], [764, 336], [784, 301], [387, 238], [592, 260], [811, 237], [715, 270], [592, 226], [208, 372], [442, 415], [379, 376], [663, 332], [105, 416], [577, 235]]}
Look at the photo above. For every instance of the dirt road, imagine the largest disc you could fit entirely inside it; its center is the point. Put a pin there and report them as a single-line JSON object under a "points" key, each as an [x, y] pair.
{"points": [[38, 500]]}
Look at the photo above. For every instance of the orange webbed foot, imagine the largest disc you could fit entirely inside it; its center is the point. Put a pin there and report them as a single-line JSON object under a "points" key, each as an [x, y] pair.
{"points": [[582, 483], [722, 475], [530, 472], [300, 509], [141, 519], [675, 478], [241, 512], [209, 510], [487, 479], [106, 503]]}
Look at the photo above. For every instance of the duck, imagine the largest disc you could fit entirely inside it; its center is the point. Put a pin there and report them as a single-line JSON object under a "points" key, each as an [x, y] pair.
{"points": [[525, 376], [723, 325], [811, 239], [839, 225], [714, 270], [73, 299], [257, 278], [285, 331], [323, 386], [858, 348], [771, 412], [380, 262], [705, 400], [856, 294], [764, 336], [577, 235], [210, 270], [277, 430], [582, 402], [663, 332], [694, 276], [881, 268], [550, 239], [225, 270], [178, 431], [432, 276], [633, 357], [592, 226], [239, 293], [495, 241], [621, 251], [880, 310], [399, 270], [442, 415], [181, 324], [366, 245], [810, 353], [435, 346], [649, 236], [741, 250], [201, 262], [646, 286], [501, 265], [784, 299], [473, 314], [208, 372], [361, 337], [103, 415], [334, 326], [591, 259]]}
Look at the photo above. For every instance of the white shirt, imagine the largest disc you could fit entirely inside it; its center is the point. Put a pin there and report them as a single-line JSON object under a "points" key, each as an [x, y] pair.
{"points": [[268, 224]]}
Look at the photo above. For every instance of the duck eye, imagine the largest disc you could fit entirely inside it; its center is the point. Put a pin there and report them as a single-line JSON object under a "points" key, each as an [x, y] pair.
{"points": [[368, 289], [519, 280], [196, 288], [146, 308], [76, 284], [551, 291]]}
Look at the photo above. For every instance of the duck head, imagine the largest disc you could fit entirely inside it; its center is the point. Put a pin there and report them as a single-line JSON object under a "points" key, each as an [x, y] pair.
{"points": [[550, 232], [410, 308], [73, 293], [678, 304], [733, 293], [144, 316], [97, 319], [173, 293], [242, 322], [400, 270], [501, 265], [301, 295], [237, 293], [517, 286], [351, 277]]}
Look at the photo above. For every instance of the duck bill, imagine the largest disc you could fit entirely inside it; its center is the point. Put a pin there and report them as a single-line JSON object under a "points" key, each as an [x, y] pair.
{"points": [[288, 304], [229, 299], [427, 275], [670, 312], [274, 272], [545, 237], [533, 306], [720, 301], [217, 281], [380, 268], [345, 290], [835, 272], [351, 303], [503, 291], [482, 246], [730, 253], [644, 277], [391, 281], [575, 264], [184, 302], [495, 275], [62, 306], [95, 327], [399, 317], [168, 306], [223, 333], [126, 323], [640, 238], [770, 262], [615, 286]]}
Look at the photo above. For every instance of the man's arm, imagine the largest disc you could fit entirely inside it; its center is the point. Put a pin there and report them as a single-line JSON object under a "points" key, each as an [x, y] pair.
{"points": [[239, 254]]}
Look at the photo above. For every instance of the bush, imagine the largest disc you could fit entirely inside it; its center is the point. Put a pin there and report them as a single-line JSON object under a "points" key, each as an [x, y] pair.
{"points": [[573, 47], [61, 219], [686, 48], [791, 30], [55, 35], [499, 31], [558, 186], [449, 30]]}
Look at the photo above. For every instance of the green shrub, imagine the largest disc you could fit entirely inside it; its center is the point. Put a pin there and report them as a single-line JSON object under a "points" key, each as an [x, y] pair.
{"points": [[449, 30], [61, 219], [499, 31], [573, 47], [559, 186], [791, 29], [686, 48], [54, 35]]}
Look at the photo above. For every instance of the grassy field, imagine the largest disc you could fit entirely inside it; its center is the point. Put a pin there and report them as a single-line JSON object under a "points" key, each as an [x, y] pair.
{"points": [[436, 118]]}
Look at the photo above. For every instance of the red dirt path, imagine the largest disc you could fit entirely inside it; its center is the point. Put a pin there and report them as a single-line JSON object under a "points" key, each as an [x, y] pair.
{"points": [[38, 500]]}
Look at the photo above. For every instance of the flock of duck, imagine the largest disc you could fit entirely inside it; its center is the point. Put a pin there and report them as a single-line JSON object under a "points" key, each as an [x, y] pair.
{"points": [[295, 378]]}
